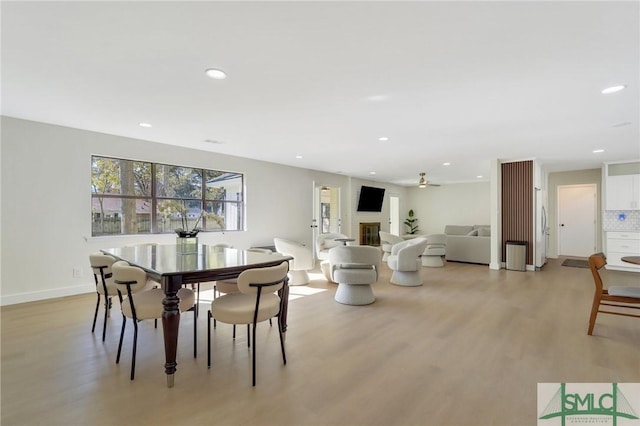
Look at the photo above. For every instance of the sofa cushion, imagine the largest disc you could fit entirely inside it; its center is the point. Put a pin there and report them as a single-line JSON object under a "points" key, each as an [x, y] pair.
{"points": [[484, 232], [457, 229]]}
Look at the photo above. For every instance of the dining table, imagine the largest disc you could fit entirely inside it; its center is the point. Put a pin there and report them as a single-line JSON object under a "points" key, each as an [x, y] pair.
{"points": [[631, 259], [173, 266]]}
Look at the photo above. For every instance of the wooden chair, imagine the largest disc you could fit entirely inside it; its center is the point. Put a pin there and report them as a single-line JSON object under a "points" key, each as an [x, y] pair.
{"points": [[619, 297], [256, 301]]}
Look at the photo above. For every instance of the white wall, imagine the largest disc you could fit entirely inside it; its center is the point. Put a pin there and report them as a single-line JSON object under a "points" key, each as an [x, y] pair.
{"points": [[45, 193], [452, 204]]}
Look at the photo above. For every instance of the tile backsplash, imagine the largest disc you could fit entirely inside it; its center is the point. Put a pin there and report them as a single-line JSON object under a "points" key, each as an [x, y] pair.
{"points": [[621, 220]]}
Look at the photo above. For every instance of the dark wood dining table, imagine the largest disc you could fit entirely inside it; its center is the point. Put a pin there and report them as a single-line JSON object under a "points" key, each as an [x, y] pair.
{"points": [[173, 268]]}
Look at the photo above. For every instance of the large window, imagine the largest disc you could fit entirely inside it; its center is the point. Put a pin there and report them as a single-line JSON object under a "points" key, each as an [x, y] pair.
{"points": [[137, 197]]}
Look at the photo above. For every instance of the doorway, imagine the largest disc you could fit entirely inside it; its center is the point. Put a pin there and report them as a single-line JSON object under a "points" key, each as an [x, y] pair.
{"points": [[326, 211], [577, 212], [394, 215]]}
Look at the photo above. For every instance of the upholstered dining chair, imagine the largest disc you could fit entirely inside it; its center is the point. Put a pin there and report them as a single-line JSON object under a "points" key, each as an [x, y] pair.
{"points": [[387, 240], [405, 262], [103, 277], [355, 268], [196, 286], [231, 285], [621, 298], [435, 250], [139, 302], [301, 263], [256, 301], [222, 286]]}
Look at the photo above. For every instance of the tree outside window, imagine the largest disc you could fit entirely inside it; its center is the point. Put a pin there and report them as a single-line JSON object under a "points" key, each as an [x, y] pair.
{"points": [[132, 197]]}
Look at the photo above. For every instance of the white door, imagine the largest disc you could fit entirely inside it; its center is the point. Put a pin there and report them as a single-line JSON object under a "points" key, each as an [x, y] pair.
{"points": [[394, 215], [576, 220]]}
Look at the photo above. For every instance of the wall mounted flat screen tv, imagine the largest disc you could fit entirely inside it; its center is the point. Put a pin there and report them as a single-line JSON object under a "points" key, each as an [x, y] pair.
{"points": [[370, 199]]}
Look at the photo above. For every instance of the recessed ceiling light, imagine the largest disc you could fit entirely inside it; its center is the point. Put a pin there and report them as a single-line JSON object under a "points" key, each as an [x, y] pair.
{"points": [[144, 125], [216, 74], [446, 164], [298, 157], [372, 173], [479, 176], [597, 151], [613, 89], [383, 138]]}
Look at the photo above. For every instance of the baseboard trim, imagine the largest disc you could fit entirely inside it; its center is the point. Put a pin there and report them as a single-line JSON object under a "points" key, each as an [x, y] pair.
{"points": [[45, 294]]}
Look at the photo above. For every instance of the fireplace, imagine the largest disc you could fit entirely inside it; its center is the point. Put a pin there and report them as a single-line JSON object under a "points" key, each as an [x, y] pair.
{"points": [[370, 233]]}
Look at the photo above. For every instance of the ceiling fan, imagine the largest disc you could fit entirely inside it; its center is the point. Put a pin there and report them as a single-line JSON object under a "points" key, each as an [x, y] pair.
{"points": [[423, 183]]}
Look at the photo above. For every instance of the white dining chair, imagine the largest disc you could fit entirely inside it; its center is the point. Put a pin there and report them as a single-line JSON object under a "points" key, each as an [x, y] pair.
{"points": [[139, 302], [101, 265], [256, 301]]}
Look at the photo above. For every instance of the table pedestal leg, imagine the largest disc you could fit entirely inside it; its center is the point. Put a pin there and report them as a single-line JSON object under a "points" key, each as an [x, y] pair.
{"points": [[170, 325]]}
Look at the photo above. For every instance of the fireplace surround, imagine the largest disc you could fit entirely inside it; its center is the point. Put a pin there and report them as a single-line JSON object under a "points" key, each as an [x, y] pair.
{"points": [[369, 233]]}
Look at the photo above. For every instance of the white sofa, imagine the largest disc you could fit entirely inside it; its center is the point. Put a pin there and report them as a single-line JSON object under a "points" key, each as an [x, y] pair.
{"points": [[468, 243]]}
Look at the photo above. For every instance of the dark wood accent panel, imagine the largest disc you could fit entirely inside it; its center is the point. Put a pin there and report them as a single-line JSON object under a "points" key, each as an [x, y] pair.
{"points": [[517, 205]]}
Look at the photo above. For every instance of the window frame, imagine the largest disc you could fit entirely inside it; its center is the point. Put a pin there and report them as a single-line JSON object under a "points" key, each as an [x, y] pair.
{"points": [[154, 199]]}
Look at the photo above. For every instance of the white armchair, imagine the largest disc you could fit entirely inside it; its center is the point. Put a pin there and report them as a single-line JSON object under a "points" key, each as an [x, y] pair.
{"points": [[435, 250], [324, 243], [301, 263], [405, 262], [387, 240], [355, 268]]}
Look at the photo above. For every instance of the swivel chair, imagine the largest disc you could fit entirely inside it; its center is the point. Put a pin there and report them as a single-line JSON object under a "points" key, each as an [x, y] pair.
{"points": [[405, 262]]}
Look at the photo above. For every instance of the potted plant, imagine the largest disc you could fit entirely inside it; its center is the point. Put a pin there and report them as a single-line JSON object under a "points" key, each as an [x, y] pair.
{"points": [[410, 223], [174, 208], [186, 233]]}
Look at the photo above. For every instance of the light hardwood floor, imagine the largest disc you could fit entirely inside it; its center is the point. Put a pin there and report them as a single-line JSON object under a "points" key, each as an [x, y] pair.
{"points": [[466, 348]]}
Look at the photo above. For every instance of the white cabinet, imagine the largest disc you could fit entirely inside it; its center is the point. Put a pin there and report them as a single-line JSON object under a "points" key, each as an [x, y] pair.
{"points": [[620, 244], [623, 192], [622, 186]]}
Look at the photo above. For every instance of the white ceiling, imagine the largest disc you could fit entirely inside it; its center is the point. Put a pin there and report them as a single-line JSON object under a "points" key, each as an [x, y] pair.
{"points": [[458, 82]]}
